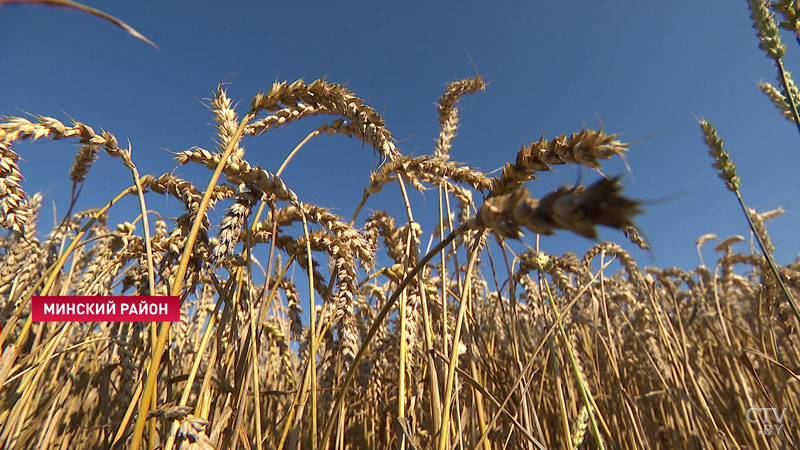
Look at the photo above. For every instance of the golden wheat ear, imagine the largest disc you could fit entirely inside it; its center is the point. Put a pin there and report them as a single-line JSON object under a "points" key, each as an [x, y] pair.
{"points": [[578, 209]]}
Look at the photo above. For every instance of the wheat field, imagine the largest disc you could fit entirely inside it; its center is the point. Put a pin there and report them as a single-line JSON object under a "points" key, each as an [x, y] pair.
{"points": [[301, 328]]}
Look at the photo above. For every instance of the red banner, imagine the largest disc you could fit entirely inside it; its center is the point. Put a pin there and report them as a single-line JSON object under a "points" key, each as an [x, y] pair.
{"points": [[106, 309]]}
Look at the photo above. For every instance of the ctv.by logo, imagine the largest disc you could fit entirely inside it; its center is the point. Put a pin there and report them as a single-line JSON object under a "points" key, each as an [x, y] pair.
{"points": [[771, 420]]}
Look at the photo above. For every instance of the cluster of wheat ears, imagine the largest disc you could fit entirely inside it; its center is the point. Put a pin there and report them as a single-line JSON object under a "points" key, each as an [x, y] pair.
{"points": [[414, 338]]}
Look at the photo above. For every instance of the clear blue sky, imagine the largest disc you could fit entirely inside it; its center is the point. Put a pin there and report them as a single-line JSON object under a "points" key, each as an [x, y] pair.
{"points": [[640, 68]]}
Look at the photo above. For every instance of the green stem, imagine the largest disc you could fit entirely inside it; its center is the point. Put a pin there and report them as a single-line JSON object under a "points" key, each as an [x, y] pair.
{"points": [[789, 97], [770, 261], [585, 394]]}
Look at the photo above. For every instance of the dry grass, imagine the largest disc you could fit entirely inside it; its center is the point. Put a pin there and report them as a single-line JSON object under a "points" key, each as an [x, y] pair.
{"points": [[462, 345]]}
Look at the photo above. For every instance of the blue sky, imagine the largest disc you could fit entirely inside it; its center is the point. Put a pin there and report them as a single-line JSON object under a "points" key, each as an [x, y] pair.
{"points": [[639, 68]]}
